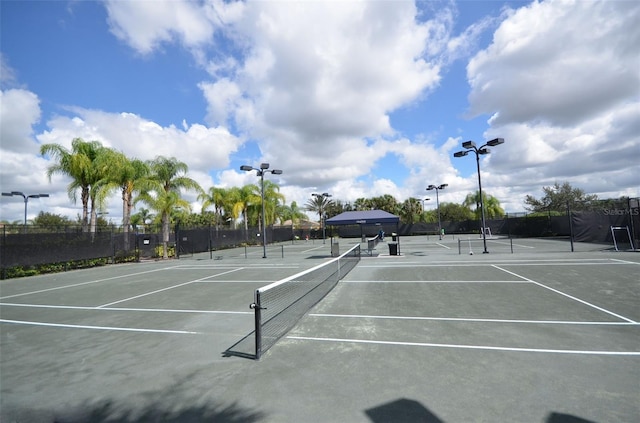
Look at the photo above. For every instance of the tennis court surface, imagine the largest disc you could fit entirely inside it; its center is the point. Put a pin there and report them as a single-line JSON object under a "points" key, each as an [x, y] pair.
{"points": [[434, 334]]}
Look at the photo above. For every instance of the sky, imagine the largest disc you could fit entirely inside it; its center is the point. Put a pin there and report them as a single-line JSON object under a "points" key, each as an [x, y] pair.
{"points": [[353, 98]]}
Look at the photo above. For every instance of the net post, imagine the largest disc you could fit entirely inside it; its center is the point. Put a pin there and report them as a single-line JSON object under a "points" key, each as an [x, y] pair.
{"points": [[258, 324]]}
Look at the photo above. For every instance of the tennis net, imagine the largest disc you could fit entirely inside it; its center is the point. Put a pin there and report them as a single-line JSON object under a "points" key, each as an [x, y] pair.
{"points": [[280, 305]]}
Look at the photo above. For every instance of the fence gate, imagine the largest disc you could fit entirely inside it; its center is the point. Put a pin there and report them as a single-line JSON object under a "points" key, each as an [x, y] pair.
{"points": [[146, 244]]}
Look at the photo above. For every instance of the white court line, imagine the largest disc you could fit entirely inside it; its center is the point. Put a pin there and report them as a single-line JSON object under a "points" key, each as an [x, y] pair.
{"points": [[578, 262], [163, 310], [442, 245], [86, 283], [436, 281], [166, 289], [312, 249], [626, 262], [567, 295], [508, 243], [460, 319], [468, 347], [59, 325], [213, 266]]}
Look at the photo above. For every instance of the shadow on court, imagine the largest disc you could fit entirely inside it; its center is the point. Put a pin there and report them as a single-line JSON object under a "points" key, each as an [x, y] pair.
{"points": [[113, 413], [402, 411]]}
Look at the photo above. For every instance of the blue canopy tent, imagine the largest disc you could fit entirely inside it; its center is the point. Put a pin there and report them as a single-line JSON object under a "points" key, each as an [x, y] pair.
{"points": [[365, 217]]}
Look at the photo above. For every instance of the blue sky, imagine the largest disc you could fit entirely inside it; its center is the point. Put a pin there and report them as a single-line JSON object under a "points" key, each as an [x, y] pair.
{"points": [[354, 98]]}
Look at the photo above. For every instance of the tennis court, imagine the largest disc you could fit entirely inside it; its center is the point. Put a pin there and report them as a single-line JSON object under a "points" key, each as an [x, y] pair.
{"points": [[434, 334]]}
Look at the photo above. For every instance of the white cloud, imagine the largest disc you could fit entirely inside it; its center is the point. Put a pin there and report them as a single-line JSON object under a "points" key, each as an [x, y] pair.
{"points": [[19, 111], [561, 82], [201, 147], [559, 62], [145, 25]]}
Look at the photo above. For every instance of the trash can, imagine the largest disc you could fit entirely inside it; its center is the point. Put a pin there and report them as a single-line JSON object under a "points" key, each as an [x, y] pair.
{"points": [[393, 248], [394, 236], [335, 249]]}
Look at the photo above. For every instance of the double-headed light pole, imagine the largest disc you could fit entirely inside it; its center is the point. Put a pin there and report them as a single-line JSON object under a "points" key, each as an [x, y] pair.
{"points": [[471, 146], [26, 200], [323, 218], [260, 172], [438, 188]]}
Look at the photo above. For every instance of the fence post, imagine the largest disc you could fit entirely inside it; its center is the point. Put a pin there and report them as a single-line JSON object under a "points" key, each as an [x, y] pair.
{"points": [[570, 225]]}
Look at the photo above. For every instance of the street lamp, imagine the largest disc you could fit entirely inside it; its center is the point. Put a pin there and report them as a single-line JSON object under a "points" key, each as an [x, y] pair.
{"points": [[323, 218], [438, 188], [423, 206], [471, 146], [260, 172], [26, 200]]}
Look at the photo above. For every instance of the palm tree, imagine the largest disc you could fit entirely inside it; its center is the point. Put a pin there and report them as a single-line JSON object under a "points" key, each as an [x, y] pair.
{"points": [[319, 204], [492, 208], [165, 203], [410, 210], [167, 176], [385, 202], [79, 164], [129, 176], [272, 199], [246, 197], [214, 197], [362, 204], [292, 212]]}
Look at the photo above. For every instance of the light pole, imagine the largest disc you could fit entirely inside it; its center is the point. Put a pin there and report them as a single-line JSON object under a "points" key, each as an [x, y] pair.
{"points": [[438, 188], [423, 206], [471, 146], [323, 219], [26, 200], [260, 172]]}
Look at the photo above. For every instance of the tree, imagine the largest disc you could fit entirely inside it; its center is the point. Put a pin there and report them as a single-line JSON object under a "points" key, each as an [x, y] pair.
{"points": [[128, 176], [362, 204], [165, 203], [214, 197], [272, 198], [336, 207], [163, 194], [244, 198], [79, 165], [292, 212], [492, 208], [411, 210], [557, 197], [451, 212], [51, 220], [385, 202], [319, 204]]}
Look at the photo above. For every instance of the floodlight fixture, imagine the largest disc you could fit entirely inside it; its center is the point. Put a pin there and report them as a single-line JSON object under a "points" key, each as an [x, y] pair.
{"points": [[471, 146], [260, 172], [495, 141], [438, 188], [26, 201]]}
